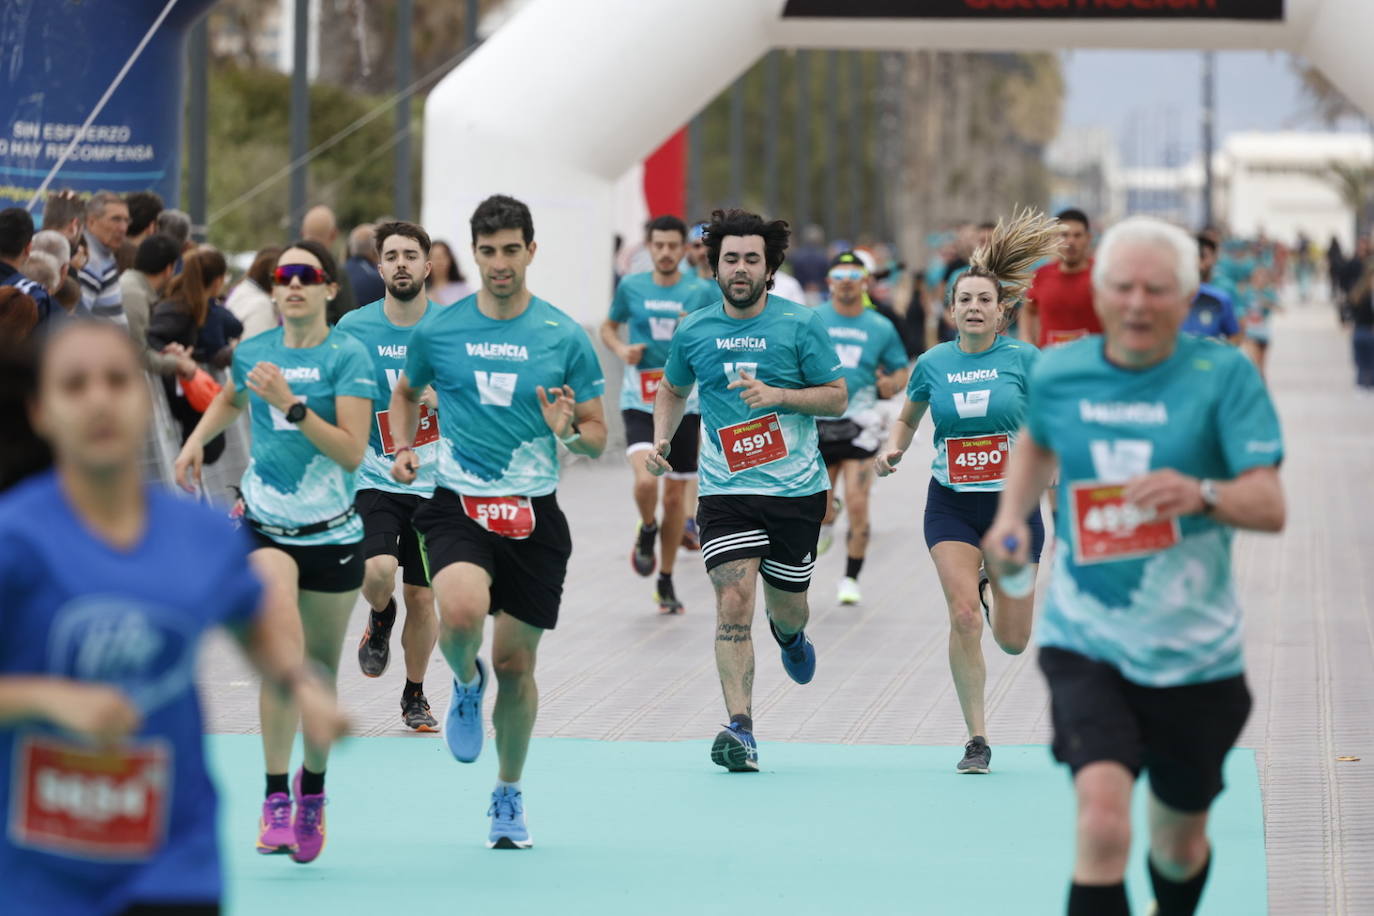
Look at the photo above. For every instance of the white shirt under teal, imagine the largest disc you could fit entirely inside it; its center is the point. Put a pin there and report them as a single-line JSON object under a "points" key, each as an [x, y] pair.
{"points": [[1170, 617], [785, 346], [386, 345], [651, 314], [973, 394], [289, 482], [493, 440]]}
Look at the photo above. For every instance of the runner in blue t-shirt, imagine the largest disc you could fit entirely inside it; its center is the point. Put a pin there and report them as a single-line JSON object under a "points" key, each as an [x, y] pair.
{"points": [[310, 389], [650, 305], [1165, 444], [764, 369], [874, 363], [975, 389], [1213, 314], [110, 585], [386, 506], [514, 376]]}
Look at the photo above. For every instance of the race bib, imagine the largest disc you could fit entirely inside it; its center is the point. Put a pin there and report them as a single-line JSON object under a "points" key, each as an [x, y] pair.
{"points": [[91, 804], [977, 459], [425, 433], [509, 516], [649, 380], [1107, 528], [752, 443], [1055, 338]]}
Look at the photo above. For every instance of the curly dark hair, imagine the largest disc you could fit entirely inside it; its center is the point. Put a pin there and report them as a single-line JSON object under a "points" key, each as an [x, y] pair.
{"points": [[741, 222]]}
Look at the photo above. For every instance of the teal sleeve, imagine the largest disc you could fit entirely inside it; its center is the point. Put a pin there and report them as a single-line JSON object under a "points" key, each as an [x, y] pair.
{"points": [[819, 364], [918, 386], [239, 368], [584, 369], [893, 354], [419, 372], [620, 305], [1246, 420], [1037, 399], [678, 370], [353, 376]]}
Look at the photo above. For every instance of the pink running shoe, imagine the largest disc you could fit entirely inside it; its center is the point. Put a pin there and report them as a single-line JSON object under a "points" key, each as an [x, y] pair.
{"points": [[308, 824], [274, 829]]}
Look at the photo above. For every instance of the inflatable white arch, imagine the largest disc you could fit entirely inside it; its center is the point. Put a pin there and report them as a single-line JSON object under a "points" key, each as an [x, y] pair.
{"points": [[570, 94]]}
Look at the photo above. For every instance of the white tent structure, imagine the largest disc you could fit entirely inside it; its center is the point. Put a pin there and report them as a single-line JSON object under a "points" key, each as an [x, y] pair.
{"points": [[570, 94]]}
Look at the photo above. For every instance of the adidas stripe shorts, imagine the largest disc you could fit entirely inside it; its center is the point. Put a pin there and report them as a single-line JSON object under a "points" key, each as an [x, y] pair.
{"points": [[782, 530]]}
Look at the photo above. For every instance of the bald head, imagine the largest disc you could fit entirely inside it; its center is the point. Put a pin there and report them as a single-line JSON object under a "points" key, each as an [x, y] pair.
{"points": [[362, 242], [319, 225]]}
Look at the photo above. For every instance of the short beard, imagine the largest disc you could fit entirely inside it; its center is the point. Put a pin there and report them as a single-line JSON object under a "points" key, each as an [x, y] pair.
{"points": [[396, 292], [750, 299]]}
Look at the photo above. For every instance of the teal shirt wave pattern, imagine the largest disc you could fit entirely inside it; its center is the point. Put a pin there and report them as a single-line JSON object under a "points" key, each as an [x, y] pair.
{"points": [[786, 346], [386, 345], [651, 314], [973, 394], [1169, 615], [289, 481], [864, 344], [493, 440]]}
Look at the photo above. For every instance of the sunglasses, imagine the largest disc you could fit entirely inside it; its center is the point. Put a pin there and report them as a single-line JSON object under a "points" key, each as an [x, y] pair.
{"points": [[840, 274], [309, 276]]}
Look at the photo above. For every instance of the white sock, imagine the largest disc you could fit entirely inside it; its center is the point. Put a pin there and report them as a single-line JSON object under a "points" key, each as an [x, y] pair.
{"points": [[502, 784]]}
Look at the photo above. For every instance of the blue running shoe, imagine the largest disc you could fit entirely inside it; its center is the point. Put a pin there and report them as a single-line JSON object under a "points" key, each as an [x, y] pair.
{"points": [[463, 725], [798, 656], [734, 749], [507, 812]]}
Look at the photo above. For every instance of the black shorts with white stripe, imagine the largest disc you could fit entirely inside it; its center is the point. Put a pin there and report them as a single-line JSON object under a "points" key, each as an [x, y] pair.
{"points": [[782, 530]]}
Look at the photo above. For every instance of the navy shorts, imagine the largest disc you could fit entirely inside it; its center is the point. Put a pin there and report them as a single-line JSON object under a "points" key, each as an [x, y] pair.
{"points": [[966, 517]]}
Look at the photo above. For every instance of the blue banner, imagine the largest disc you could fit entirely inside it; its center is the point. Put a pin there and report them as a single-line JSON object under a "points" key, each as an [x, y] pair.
{"points": [[57, 59]]}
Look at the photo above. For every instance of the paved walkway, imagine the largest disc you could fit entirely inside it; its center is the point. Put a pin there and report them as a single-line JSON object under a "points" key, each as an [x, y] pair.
{"points": [[615, 670]]}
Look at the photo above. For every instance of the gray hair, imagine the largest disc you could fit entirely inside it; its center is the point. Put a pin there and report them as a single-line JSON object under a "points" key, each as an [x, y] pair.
{"points": [[176, 223], [95, 207], [1146, 230], [43, 269], [50, 241], [362, 242]]}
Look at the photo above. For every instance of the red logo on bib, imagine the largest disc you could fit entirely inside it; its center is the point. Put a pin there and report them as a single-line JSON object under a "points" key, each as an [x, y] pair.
{"points": [[74, 801], [649, 380], [977, 459], [752, 443], [509, 516], [1106, 527], [425, 433]]}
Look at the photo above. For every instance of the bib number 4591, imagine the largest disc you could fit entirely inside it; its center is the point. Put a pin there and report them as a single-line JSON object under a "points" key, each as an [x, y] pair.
{"points": [[752, 443]]}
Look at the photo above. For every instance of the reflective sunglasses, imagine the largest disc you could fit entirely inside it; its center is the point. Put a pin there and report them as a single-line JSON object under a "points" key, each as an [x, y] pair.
{"points": [[840, 274], [309, 276]]}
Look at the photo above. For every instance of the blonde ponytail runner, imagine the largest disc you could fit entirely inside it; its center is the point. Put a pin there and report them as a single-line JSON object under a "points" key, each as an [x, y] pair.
{"points": [[1010, 256]]}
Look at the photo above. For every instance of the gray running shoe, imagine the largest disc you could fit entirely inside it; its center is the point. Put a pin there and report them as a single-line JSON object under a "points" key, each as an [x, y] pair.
{"points": [[977, 756]]}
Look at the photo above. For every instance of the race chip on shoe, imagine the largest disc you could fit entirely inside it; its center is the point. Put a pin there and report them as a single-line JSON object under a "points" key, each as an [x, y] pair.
{"points": [[509, 516], [425, 433], [1106, 527], [96, 804], [977, 459], [649, 380], [752, 443]]}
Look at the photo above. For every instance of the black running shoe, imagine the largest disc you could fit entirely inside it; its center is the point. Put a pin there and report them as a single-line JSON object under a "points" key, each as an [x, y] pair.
{"points": [[374, 649], [642, 557], [977, 756], [666, 597], [415, 712]]}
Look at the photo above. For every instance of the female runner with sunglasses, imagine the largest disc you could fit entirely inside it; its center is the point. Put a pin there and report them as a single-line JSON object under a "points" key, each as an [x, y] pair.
{"points": [[311, 391], [975, 389]]}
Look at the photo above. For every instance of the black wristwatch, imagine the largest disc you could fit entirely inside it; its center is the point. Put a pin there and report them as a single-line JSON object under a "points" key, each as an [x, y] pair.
{"points": [[297, 412]]}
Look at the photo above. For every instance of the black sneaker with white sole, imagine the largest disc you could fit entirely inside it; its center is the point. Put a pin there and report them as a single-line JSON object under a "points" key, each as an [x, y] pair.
{"points": [[977, 756]]}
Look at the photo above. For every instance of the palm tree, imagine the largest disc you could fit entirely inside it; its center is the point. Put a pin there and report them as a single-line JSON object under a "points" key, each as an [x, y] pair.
{"points": [[1355, 183]]}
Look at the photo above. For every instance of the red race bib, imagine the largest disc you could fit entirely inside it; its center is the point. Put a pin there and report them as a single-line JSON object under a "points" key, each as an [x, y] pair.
{"points": [[648, 383], [425, 433], [1054, 338], [509, 516], [752, 443], [91, 804], [1107, 528], [978, 459]]}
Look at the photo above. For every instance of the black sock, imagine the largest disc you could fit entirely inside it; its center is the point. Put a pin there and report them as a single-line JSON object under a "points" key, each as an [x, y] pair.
{"points": [[665, 581], [652, 526], [1178, 898], [311, 783], [1098, 900], [744, 722], [386, 616], [412, 688], [278, 782], [852, 565]]}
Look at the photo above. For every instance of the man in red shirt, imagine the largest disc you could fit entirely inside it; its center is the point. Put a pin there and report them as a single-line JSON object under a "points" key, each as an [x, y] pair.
{"points": [[1059, 303]]}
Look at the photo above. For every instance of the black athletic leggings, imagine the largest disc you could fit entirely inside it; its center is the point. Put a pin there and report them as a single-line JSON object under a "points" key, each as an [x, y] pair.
{"points": [[172, 909]]}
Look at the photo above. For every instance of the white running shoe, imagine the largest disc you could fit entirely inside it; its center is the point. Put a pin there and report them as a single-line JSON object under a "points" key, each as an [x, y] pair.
{"points": [[848, 592]]}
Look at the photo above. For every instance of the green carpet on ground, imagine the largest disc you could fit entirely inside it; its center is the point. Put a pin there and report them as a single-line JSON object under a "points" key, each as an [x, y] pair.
{"points": [[654, 828]]}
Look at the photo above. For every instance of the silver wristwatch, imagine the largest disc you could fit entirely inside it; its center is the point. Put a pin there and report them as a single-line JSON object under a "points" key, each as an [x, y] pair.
{"points": [[1207, 489]]}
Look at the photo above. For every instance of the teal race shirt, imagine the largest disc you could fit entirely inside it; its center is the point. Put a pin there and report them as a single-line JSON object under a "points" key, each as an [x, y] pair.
{"points": [[493, 440], [386, 345], [289, 482], [1152, 597], [651, 314], [765, 451], [977, 403], [863, 344]]}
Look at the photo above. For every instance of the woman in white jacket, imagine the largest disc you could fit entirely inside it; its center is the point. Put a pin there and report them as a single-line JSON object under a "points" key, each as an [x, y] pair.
{"points": [[250, 300]]}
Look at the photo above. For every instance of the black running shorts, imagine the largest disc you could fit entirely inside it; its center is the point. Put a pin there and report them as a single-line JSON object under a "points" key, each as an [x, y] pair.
{"points": [[783, 530], [682, 451], [526, 575], [389, 532], [837, 442], [1179, 734], [321, 567]]}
